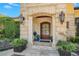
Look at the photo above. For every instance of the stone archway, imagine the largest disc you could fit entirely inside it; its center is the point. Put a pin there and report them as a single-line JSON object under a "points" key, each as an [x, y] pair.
{"points": [[40, 19], [30, 27], [44, 21]]}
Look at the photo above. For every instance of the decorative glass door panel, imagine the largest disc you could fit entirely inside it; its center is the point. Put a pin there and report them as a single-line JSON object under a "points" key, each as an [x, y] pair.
{"points": [[45, 30]]}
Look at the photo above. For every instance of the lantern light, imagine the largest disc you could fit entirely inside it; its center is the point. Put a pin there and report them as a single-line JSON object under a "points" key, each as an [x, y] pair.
{"points": [[62, 17]]}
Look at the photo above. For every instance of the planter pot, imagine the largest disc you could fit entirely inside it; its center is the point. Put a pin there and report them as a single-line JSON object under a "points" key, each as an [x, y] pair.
{"points": [[77, 52], [20, 48], [63, 53]]}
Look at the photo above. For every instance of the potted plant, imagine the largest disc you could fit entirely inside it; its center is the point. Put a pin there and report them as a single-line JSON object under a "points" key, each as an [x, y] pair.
{"points": [[36, 36], [65, 48], [19, 45]]}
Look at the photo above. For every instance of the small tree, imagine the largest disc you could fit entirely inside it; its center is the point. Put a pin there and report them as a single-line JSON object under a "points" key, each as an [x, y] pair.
{"points": [[17, 24], [11, 28]]}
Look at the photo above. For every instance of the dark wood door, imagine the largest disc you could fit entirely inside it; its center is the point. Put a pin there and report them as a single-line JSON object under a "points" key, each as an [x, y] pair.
{"points": [[45, 30]]}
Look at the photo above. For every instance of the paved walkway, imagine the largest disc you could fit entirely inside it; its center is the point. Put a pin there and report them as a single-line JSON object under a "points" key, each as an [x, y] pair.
{"points": [[33, 51]]}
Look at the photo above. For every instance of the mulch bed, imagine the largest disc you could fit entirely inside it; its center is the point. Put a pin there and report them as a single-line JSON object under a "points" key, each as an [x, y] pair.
{"points": [[5, 45], [3, 49]]}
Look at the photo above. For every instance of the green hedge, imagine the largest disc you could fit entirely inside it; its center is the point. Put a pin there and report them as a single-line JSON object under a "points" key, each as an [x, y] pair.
{"points": [[11, 28], [74, 39], [67, 46]]}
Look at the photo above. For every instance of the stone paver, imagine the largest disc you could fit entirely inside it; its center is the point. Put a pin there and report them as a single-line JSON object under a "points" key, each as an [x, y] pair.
{"points": [[7, 52], [33, 51], [40, 51]]}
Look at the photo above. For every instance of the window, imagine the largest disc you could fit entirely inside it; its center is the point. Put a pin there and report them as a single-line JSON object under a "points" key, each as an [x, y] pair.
{"points": [[67, 24]]}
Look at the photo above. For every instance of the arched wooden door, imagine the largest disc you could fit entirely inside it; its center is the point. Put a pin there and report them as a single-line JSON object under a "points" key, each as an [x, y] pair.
{"points": [[45, 30]]}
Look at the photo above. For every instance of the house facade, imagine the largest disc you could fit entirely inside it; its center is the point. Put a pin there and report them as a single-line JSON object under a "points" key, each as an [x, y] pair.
{"points": [[43, 18]]}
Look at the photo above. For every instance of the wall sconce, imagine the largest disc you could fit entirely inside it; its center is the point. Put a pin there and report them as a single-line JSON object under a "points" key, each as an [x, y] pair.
{"points": [[21, 18], [61, 17]]}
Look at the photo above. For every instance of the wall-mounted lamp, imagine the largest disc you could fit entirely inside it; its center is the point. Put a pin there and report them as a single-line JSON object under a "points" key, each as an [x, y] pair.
{"points": [[62, 17], [21, 17]]}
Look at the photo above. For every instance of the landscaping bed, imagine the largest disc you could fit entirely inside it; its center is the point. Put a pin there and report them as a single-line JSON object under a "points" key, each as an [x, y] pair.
{"points": [[75, 40], [69, 47], [66, 48], [77, 51], [5, 45], [10, 29]]}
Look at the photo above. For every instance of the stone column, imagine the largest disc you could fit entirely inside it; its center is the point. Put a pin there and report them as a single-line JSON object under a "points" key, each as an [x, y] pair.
{"points": [[30, 30], [54, 31], [23, 30]]}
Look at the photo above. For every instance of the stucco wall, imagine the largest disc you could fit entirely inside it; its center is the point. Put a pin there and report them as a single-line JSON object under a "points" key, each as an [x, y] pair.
{"points": [[76, 13]]}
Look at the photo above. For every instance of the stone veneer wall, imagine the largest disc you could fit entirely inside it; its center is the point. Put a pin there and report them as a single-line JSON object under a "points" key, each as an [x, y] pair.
{"points": [[24, 25], [61, 32]]}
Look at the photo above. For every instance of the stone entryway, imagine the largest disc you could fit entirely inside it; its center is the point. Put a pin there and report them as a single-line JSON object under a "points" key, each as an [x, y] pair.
{"points": [[39, 51], [42, 26], [32, 51]]}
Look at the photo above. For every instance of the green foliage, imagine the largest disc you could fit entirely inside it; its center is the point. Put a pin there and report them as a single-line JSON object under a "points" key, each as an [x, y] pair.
{"points": [[74, 39], [60, 43], [77, 39], [1, 34], [67, 46], [36, 36], [19, 42], [17, 29], [11, 28]]}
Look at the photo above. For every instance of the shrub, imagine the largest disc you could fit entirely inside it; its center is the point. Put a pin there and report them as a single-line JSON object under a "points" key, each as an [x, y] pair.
{"points": [[77, 39], [18, 42], [59, 43], [74, 39], [11, 28], [17, 29], [67, 46], [1, 34]]}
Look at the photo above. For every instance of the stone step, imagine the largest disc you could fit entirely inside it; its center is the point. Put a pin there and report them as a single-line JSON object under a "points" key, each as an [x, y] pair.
{"points": [[45, 40], [43, 44]]}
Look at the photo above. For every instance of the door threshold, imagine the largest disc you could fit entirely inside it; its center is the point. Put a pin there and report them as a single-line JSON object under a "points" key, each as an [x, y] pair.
{"points": [[45, 40], [37, 43]]}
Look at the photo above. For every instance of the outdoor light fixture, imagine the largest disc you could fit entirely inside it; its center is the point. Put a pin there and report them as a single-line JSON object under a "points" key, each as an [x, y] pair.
{"points": [[21, 18], [62, 17]]}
